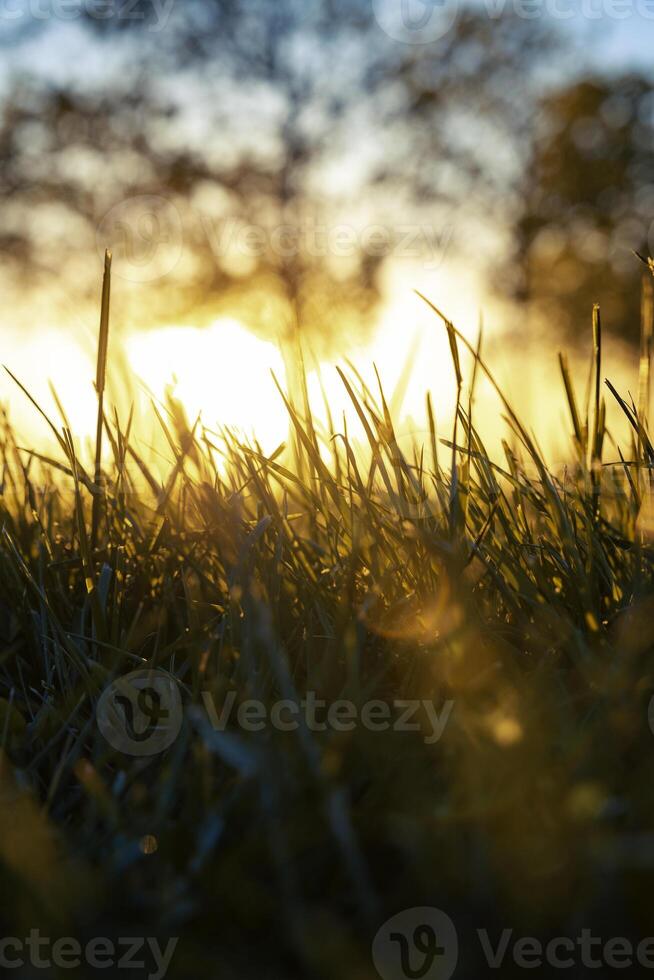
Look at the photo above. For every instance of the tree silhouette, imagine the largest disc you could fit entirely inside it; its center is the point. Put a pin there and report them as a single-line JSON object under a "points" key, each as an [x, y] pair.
{"points": [[230, 139], [587, 202]]}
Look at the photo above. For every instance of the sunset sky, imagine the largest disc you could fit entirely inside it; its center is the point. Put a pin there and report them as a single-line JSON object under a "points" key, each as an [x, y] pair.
{"points": [[326, 487], [61, 324]]}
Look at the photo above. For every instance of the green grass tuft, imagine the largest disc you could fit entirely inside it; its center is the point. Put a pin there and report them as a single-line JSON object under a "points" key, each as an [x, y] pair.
{"points": [[523, 595]]}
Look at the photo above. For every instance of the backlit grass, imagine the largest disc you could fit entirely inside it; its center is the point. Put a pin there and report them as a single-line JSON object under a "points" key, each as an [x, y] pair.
{"points": [[523, 595]]}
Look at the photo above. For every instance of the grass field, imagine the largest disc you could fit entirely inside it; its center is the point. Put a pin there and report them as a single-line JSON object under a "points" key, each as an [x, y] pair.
{"points": [[516, 602]]}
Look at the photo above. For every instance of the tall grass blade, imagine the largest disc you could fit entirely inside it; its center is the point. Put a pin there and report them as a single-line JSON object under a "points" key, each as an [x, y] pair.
{"points": [[101, 373]]}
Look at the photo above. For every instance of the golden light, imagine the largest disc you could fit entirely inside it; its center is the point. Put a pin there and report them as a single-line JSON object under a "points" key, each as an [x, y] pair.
{"points": [[61, 361], [222, 372]]}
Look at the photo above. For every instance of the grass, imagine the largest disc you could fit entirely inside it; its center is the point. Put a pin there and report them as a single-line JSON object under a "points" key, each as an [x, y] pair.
{"points": [[525, 596]]}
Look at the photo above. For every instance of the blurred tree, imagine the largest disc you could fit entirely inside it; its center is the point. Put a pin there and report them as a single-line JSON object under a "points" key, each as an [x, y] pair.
{"points": [[286, 147], [586, 202]]}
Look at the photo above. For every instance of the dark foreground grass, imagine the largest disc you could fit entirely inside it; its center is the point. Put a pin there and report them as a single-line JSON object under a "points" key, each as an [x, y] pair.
{"points": [[523, 596]]}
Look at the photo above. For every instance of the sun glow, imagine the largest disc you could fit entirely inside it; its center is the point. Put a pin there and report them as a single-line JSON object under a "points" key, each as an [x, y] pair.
{"points": [[55, 360], [222, 373]]}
